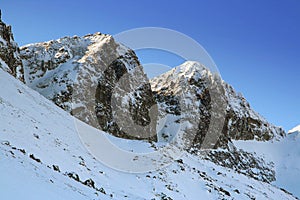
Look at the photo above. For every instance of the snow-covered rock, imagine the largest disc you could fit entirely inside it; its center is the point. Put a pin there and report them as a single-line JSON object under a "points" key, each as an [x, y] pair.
{"points": [[94, 74], [216, 114], [193, 79], [89, 72], [85, 76]]}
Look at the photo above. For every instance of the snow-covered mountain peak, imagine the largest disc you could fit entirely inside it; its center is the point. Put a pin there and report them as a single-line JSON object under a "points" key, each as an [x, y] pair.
{"points": [[80, 75], [182, 75], [43, 58], [191, 69], [194, 79], [67, 47], [294, 130]]}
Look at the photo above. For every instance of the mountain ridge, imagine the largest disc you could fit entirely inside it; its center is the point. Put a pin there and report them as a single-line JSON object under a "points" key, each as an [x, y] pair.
{"points": [[51, 152]]}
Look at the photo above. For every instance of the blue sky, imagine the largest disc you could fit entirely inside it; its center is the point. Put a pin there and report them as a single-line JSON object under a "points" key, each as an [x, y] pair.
{"points": [[255, 44]]}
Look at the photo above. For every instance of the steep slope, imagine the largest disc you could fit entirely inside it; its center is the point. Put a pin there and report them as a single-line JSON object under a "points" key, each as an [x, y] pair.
{"points": [[38, 142], [9, 52], [81, 75], [285, 155]]}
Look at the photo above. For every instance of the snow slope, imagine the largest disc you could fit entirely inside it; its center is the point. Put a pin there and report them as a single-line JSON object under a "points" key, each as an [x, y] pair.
{"points": [[285, 155], [42, 157]]}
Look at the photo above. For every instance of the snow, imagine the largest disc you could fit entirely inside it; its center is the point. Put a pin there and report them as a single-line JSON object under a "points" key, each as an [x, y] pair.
{"points": [[296, 129], [285, 154], [3, 65], [34, 124]]}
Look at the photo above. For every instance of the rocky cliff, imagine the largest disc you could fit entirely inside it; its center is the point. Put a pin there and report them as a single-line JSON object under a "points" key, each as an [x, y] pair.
{"points": [[9, 52]]}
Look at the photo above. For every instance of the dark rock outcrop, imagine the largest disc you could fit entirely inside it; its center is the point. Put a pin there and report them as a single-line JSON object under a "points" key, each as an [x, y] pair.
{"points": [[9, 52]]}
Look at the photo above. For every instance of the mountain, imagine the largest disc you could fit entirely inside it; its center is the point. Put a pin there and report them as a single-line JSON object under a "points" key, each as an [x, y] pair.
{"points": [[81, 75], [218, 104], [93, 82], [10, 59], [193, 79], [73, 71]]}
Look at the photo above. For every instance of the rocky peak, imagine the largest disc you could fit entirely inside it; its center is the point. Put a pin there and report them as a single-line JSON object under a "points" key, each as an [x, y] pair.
{"points": [[216, 115], [191, 69], [187, 92], [241, 122], [9, 52], [81, 75]]}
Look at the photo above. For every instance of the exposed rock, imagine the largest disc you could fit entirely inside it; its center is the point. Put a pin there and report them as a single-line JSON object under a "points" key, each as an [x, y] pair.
{"points": [[242, 162], [90, 183], [9, 52], [34, 158], [243, 123], [56, 168], [74, 176]]}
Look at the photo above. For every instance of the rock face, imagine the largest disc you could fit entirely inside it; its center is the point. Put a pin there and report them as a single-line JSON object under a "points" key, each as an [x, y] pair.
{"points": [[215, 114], [9, 52], [243, 123], [86, 75], [239, 121]]}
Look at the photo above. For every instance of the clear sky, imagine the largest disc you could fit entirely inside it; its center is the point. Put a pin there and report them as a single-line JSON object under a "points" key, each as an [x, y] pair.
{"points": [[255, 44]]}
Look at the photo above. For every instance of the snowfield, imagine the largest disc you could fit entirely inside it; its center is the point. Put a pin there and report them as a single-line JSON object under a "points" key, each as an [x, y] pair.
{"points": [[285, 155], [42, 157]]}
